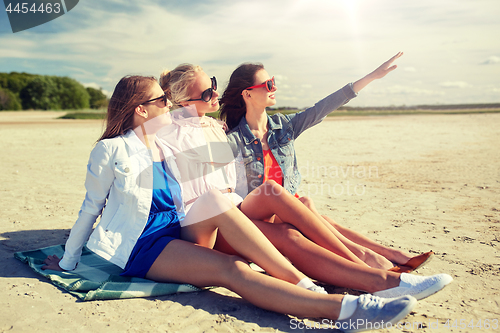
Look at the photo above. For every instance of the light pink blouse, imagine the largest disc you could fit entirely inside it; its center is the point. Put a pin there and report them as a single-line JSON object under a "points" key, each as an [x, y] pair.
{"points": [[203, 156]]}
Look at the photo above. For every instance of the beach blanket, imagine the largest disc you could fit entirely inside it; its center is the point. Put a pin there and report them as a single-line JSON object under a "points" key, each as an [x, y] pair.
{"points": [[96, 278]]}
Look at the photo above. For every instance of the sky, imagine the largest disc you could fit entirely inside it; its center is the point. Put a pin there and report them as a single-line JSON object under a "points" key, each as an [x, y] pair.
{"points": [[312, 47]]}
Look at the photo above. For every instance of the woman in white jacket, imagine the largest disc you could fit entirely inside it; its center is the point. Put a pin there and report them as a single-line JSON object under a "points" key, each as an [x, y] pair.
{"points": [[140, 216]]}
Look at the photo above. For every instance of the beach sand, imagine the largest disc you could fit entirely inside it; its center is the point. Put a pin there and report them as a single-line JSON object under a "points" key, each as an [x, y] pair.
{"points": [[420, 183]]}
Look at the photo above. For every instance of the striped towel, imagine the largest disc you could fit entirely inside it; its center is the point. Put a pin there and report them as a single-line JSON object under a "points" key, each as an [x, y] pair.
{"points": [[96, 278]]}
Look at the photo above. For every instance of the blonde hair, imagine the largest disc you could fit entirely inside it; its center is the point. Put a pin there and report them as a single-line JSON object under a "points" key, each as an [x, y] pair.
{"points": [[176, 83]]}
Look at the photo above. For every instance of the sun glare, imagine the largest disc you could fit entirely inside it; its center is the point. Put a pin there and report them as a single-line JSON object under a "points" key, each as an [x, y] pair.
{"points": [[351, 8], [350, 5]]}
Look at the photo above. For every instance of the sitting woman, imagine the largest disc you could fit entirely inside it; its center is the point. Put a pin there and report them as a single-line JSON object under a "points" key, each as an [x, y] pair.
{"points": [[130, 184], [267, 146], [205, 162]]}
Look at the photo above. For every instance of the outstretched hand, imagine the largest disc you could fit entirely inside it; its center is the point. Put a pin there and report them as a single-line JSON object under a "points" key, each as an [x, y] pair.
{"points": [[379, 73], [386, 67], [52, 262]]}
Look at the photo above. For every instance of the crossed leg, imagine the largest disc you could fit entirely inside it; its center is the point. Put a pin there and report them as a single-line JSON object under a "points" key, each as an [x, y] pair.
{"points": [[240, 233], [272, 199], [319, 263], [360, 245]]}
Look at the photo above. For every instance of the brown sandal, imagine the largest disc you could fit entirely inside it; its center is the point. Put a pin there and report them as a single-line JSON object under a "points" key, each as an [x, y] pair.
{"points": [[413, 263], [401, 269]]}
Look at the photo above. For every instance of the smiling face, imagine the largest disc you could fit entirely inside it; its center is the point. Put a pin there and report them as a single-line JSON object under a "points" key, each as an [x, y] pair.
{"points": [[260, 97], [202, 82]]}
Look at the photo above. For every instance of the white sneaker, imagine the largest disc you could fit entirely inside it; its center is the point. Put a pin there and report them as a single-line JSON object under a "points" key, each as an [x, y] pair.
{"points": [[373, 312], [417, 286], [318, 289]]}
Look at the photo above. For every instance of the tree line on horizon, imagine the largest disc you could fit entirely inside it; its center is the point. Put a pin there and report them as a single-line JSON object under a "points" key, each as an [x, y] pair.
{"points": [[24, 91]]}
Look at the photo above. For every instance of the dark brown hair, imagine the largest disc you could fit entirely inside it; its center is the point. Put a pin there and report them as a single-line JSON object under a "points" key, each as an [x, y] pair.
{"points": [[233, 107], [129, 93]]}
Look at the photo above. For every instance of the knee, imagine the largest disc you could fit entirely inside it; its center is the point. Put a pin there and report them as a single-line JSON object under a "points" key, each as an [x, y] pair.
{"points": [[308, 202], [213, 194], [271, 187], [289, 234], [213, 197], [235, 269]]}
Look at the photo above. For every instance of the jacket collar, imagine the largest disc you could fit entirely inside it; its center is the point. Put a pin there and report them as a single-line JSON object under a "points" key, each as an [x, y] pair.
{"points": [[248, 136], [134, 144]]}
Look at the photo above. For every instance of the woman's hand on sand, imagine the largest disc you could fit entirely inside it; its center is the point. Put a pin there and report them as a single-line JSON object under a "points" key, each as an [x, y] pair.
{"points": [[379, 73], [52, 263]]}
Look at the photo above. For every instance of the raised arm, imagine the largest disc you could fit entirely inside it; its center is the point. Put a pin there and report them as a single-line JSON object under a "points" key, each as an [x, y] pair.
{"points": [[314, 115], [379, 73]]}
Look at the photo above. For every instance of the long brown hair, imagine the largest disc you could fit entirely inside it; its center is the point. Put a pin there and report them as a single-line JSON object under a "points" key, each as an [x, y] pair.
{"points": [[129, 93], [233, 107]]}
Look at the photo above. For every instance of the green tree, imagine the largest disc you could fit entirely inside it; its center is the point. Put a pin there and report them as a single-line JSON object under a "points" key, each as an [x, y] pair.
{"points": [[97, 98], [15, 82], [9, 100], [54, 93], [40, 94], [70, 93]]}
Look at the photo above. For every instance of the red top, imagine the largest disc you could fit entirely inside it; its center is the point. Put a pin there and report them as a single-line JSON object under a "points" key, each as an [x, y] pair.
{"points": [[272, 170]]}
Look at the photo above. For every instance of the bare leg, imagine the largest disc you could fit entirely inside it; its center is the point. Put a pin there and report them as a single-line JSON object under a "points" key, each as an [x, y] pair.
{"points": [[271, 198], [359, 244], [185, 262], [241, 234], [394, 255], [319, 263], [323, 265]]}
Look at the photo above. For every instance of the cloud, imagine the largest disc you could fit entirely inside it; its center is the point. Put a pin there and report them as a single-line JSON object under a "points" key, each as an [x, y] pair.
{"points": [[98, 87], [92, 85], [491, 61], [280, 78], [455, 84], [327, 43]]}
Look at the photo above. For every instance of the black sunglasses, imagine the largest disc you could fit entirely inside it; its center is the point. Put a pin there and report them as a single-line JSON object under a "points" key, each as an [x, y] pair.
{"points": [[206, 96], [163, 98]]}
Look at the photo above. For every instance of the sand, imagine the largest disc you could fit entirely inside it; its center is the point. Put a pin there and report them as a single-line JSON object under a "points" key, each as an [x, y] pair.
{"points": [[418, 183]]}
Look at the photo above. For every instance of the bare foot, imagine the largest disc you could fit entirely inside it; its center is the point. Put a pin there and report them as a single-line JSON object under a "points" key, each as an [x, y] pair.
{"points": [[399, 257], [375, 260]]}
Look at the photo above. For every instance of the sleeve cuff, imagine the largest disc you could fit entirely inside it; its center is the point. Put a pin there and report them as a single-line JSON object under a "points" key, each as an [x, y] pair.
{"points": [[67, 265], [352, 89]]}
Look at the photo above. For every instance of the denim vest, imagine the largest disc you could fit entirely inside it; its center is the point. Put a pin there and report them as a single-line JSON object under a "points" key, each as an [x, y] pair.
{"points": [[283, 130]]}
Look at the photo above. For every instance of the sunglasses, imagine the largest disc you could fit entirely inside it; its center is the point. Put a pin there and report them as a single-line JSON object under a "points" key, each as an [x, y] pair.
{"points": [[163, 98], [207, 95], [269, 84]]}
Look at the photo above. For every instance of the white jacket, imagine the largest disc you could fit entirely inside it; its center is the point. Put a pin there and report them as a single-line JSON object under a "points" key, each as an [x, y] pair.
{"points": [[119, 185]]}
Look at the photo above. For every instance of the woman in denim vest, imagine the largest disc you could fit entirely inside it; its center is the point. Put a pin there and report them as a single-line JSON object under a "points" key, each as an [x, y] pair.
{"points": [[259, 138], [206, 162]]}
